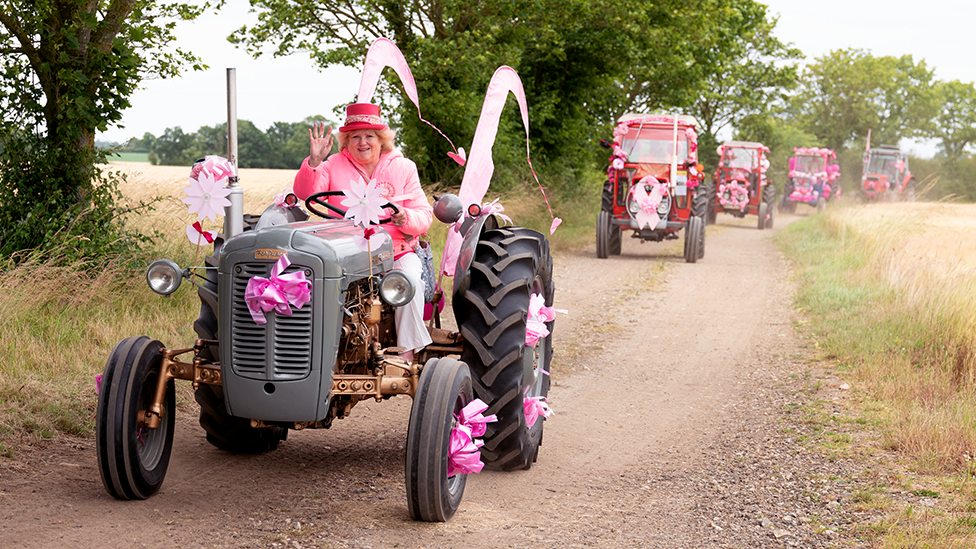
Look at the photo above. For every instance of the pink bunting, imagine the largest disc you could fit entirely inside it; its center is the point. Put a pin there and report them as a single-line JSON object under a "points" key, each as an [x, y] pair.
{"points": [[384, 53], [463, 456], [279, 293]]}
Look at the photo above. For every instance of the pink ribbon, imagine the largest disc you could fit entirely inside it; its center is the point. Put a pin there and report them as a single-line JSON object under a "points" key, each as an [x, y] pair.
{"points": [[463, 455], [278, 293], [534, 408], [539, 314]]}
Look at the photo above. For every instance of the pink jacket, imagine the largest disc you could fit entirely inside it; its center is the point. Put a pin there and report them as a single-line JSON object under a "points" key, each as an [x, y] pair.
{"points": [[395, 175]]}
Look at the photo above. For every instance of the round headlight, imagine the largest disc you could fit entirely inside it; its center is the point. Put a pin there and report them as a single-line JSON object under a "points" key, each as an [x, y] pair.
{"points": [[665, 206], [164, 276], [633, 206], [396, 289]]}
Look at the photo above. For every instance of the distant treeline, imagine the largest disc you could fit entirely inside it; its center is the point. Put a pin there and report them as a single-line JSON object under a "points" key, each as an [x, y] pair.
{"points": [[283, 146]]}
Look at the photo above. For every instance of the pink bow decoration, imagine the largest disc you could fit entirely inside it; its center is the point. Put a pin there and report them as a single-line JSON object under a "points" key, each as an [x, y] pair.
{"points": [[463, 456], [198, 236], [539, 314], [646, 215], [278, 294], [363, 202], [535, 407], [279, 199], [495, 207], [98, 384]]}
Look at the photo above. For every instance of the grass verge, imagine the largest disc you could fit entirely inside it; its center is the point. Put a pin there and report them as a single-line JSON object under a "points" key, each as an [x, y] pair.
{"points": [[889, 294]]}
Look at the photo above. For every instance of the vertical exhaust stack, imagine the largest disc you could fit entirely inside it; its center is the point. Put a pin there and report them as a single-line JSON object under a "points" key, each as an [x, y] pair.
{"points": [[234, 218]]}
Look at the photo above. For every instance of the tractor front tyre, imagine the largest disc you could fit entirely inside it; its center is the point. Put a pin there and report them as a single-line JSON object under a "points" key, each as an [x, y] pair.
{"points": [[511, 265], [132, 459], [763, 212], [602, 234], [444, 390], [694, 239]]}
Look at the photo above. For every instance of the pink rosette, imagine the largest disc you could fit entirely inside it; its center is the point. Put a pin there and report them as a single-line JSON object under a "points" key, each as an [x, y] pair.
{"points": [[539, 314], [463, 456], [279, 293], [534, 408]]}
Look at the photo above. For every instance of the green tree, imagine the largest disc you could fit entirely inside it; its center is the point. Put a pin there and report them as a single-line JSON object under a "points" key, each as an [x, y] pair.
{"points": [[67, 69], [741, 67], [955, 124], [582, 63], [173, 148], [846, 93]]}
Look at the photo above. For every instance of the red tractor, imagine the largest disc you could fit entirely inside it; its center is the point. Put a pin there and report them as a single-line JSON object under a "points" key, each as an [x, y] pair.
{"points": [[886, 175], [739, 186], [654, 184], [812, 179]]}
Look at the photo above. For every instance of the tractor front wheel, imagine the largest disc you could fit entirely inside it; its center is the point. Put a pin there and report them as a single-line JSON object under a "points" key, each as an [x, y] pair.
{"points": [[694, 239], [763, 212], [132, 459], [444, 390], [602, 234]]}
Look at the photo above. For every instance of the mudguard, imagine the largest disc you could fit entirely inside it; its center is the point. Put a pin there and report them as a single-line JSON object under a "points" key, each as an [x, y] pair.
{"points": [[472, 234]]}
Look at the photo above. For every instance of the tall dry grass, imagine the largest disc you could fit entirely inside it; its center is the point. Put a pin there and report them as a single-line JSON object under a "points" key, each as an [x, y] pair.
{"points": [[892, 289], [61, 322]]}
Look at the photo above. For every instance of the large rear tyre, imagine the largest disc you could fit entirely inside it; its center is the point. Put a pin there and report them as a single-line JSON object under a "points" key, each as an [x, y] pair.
{"points": [[224, 431], [132, 459], [445, 388], [510, 265], [694, 239]]}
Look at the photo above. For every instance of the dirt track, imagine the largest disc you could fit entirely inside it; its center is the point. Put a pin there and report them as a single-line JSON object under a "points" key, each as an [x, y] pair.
{"points": [[665, 377]]}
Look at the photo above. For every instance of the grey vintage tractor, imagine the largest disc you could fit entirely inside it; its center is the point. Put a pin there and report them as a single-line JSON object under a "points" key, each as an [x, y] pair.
{"points": [[256, 382]]}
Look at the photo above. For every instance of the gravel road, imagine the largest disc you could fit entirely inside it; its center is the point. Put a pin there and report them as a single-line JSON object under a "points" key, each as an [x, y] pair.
{"points": [[678, 392]]}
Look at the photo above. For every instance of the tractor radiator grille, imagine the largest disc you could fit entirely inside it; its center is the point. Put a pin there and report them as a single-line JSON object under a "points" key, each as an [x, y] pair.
{"points": [[280, 350]]}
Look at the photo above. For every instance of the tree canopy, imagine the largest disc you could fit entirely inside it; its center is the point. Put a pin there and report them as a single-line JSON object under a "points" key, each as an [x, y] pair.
{"points": [[67, 69]]}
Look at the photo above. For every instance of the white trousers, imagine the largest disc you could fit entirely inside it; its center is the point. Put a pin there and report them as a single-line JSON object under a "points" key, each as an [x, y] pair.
{"points": [[411, 333]]}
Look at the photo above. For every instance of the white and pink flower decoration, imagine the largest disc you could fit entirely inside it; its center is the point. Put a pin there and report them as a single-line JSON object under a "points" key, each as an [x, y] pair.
{"points": [[463, 455], [364, 204], [206, 195], [733, 193]]}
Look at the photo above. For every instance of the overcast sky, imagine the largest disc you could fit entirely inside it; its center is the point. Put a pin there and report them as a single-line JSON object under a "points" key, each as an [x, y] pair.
{"points": [[291, 88]]}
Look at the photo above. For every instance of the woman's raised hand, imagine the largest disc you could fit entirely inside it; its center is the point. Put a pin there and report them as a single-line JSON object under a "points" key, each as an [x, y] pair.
{"points": [[320, 143]]}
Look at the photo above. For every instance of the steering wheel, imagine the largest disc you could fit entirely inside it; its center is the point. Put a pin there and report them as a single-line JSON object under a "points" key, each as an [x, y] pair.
{"points": [[334, 212]]}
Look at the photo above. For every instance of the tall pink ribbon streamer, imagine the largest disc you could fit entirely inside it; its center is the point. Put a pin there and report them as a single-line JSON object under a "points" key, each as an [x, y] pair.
{"points": [[384, 53], [480, 167], [278, 293]]}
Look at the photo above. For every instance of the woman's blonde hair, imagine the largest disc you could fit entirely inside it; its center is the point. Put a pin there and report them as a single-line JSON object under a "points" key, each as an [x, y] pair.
{"points": [[385, 136]]}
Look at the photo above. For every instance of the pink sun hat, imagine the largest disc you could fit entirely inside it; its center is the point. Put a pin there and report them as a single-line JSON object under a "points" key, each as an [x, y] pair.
{"points": [[363, 116]]}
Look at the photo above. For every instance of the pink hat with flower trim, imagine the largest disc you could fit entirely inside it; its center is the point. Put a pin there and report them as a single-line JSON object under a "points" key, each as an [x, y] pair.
{"points": [[363, 116]]}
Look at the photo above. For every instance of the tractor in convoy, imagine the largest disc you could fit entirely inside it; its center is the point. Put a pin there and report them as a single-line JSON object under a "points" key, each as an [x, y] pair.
{"points": [[885, 176], [811, 180], [328, 342], [654, 186], [739, 186]]}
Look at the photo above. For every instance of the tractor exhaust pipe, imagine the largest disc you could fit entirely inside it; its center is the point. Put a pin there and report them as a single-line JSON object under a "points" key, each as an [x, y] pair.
{"points": [[234, 218]]}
